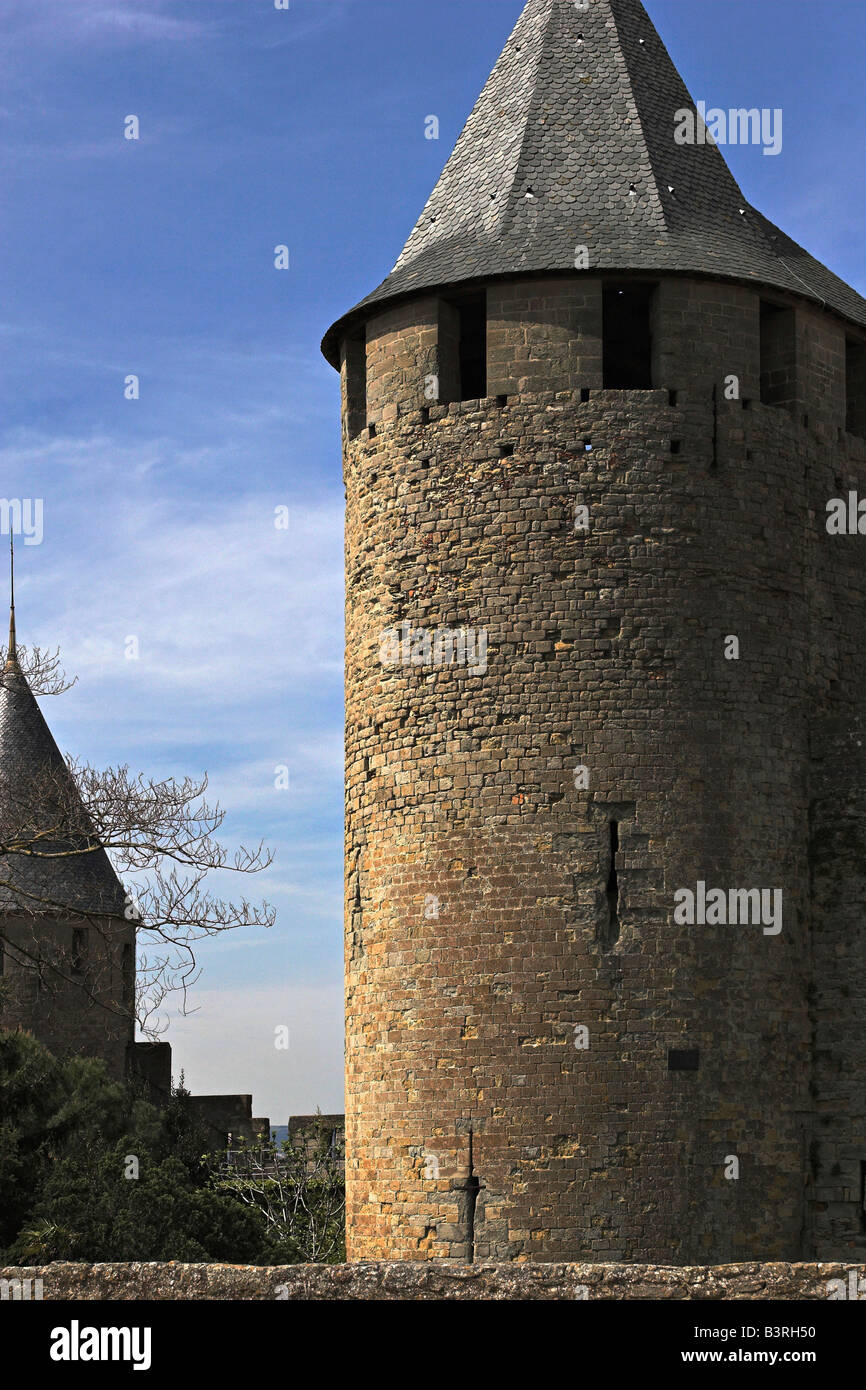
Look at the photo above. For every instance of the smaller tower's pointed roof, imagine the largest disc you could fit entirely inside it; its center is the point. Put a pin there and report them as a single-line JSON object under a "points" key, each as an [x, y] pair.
{"points": [[40, 808], [570, 144]]}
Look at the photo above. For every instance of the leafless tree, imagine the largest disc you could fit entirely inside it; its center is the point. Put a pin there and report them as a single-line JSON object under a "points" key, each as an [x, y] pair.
{"points": [[42, 669], [161, 839]]}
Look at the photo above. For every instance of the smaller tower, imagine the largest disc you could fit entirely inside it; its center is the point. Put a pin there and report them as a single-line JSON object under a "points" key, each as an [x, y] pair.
{"points": [[67, 952]]}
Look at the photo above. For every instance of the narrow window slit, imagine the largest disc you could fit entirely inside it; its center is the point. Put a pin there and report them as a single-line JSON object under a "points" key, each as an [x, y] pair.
{"points": [[610, 934], [473, 1186], [79, 949], [468, 1188]]}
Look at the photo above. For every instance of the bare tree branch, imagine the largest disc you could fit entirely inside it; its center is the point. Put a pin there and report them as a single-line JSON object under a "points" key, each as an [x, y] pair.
{"points": [[160, 836], [42, 668]]}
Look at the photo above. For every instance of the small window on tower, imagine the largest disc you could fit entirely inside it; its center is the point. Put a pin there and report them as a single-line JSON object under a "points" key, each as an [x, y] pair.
{"points": [[855, 387], [79, 949], [627, 335], [128, 974]]}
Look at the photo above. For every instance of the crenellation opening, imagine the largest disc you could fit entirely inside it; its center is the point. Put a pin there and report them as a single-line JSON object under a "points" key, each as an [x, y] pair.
{"points": [[628, 341], [855, 387], [356, 384], [778, 356], [467, 339]]}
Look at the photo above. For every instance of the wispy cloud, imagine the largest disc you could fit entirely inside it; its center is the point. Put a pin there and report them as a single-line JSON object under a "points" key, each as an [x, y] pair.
{"points": [[236, 630], [225, 606], [89, 20], [62, 144]]}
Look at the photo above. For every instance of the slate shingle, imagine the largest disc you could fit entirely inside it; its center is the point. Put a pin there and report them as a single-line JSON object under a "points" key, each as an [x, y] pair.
{"points": [[571, 143]]}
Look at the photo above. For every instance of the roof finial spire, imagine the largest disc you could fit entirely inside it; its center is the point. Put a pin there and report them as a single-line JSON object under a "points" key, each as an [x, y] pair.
{"points": [[12, 653]]}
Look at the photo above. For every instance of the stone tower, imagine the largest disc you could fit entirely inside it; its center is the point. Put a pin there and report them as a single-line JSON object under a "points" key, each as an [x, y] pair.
{"points": [[606, 747], [67, 952]]}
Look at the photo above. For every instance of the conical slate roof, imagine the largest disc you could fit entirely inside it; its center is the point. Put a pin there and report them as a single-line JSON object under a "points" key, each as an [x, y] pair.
{"points": [[571, 143], [38, 797]]}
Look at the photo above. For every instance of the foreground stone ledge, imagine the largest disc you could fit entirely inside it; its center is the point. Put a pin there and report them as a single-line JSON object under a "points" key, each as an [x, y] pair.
{"points": [[409, 1280]]}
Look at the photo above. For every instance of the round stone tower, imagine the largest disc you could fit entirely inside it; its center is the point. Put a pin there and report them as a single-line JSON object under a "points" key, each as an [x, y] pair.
{"points": [[596, 629]]}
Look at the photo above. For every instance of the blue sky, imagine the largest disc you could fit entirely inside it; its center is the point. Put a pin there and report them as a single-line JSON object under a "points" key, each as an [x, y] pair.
{"points": [[261, 127]]}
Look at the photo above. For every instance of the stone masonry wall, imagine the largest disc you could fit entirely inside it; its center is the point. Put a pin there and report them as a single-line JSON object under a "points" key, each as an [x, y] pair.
{"points": [[855, 376], [482, 933], [402, 1281], [544, 335], [403, 356], [86, 1011], [837, 812]]}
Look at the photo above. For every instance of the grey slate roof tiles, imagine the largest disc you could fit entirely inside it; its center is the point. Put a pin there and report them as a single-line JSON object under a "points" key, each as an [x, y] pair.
{"points": [[572, 143], [37, 794]]}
